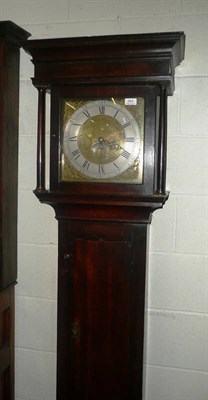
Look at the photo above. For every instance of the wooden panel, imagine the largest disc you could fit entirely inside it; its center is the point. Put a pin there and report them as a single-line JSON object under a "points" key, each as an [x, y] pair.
{"points": [[1, 53], [5, 388], [100, 318], [11, 39], [103, 71], [7, 344], [100, 310], [9, 98], [10, 77]]}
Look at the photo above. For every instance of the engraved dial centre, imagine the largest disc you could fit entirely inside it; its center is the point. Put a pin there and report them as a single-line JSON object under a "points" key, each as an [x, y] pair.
{"points": [[101, 139]]}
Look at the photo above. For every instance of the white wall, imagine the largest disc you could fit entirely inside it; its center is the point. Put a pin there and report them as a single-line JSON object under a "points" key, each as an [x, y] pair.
{"points": [[176, 361]]}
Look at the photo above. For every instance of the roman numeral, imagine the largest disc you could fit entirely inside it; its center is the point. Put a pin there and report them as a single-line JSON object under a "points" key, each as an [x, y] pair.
{"points": [[116, 113], [76, 154], [115, 165], [73, 139], [126, 125], [101, 169], [102, 109], [86, 113], [86, 165], [126, 154], [129, 139]]}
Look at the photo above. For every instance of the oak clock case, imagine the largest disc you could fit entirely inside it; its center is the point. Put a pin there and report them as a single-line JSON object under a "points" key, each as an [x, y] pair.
{"points": [[11, 39], [107, 175]]}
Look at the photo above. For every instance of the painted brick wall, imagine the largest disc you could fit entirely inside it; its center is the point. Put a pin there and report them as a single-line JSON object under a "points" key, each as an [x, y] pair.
{"points": [[176, 360]]}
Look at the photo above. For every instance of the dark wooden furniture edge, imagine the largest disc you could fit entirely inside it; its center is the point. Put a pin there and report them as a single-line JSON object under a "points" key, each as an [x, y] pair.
{"points": [[12, 37], [12, 33], [165, 48], [94, 208], [7, 310]]}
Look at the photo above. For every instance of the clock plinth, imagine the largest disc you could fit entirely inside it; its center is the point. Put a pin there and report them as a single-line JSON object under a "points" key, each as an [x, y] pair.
{"points": [[107, 177]]}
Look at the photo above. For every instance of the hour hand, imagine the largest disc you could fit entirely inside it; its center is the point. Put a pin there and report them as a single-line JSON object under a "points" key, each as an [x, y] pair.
{"points": [[103, 144], [100, 145]]}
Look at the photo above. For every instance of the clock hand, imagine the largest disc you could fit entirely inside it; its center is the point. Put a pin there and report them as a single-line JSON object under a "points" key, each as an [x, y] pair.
{"points": [[103, 144]]}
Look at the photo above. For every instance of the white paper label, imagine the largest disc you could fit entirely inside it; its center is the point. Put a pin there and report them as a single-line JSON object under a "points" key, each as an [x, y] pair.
{"points": [[131, 102]]}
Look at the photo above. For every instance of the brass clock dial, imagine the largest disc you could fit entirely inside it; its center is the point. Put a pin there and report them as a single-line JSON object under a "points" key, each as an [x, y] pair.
{"points": [[102, 141]]}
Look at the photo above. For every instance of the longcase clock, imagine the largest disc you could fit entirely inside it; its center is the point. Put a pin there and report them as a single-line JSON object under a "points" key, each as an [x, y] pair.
{"points": [[11, 39], [107, 176]]}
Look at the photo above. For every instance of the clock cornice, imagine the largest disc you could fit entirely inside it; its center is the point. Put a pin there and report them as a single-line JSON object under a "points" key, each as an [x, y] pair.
{"points": [[130, 59]]}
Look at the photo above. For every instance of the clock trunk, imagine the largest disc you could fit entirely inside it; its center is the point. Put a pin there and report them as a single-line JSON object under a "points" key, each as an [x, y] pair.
{"points": [[101, 310]]}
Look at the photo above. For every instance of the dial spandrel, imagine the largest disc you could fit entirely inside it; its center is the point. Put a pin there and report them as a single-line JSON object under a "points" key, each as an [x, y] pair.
{"points": [[102, 140]]}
